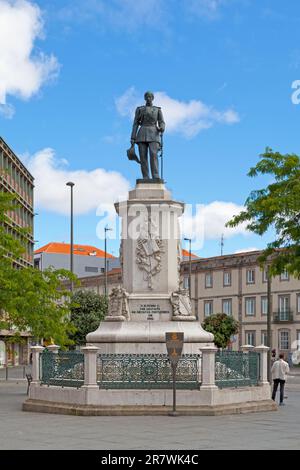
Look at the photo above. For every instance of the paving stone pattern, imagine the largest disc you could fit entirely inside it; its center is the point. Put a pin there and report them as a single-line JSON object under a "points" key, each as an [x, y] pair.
{"points": [[268, 430]]}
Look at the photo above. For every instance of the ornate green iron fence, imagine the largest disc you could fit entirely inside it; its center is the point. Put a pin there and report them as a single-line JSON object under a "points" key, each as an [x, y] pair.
{"points": [[146, 371], [236, 369], [65, 369]]}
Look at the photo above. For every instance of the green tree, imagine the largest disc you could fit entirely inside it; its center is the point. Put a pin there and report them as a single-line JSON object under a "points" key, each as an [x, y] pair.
{"points": [[30, 300], [222, 326], [87, 310], [276, 207]]}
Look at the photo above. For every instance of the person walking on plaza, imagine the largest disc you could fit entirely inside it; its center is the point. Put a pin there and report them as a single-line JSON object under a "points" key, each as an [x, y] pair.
{"points": [[279, 371]]}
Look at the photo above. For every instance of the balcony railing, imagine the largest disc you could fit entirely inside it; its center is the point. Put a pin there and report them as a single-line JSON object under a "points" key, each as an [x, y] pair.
{"points": [[284, 316]]}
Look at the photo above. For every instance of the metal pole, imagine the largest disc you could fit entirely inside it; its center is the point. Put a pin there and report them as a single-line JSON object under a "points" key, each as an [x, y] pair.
{"points": [[269, 321], [106, 229], [162, 157], [71, 235], [105, 265], [174, 389], [190, 266], [190, 269], [174, 412]]}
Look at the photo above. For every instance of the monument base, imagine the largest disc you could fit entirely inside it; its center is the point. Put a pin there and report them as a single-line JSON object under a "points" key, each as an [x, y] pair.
{"points": [[147, 337], [132, 402], [150, 181]]}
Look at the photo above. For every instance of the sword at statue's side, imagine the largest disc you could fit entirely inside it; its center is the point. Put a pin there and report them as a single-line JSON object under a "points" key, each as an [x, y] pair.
{"points": [[161, 156]]}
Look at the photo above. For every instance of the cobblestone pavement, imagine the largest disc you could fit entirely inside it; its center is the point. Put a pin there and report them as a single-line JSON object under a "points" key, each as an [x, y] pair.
{"points": [[269, 430]]}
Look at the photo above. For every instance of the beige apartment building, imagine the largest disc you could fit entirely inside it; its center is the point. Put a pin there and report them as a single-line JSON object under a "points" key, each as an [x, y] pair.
{"points": [[236, 285]]}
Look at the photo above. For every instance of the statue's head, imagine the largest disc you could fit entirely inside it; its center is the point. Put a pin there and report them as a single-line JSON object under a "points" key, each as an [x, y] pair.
{"points": [[149, 97]]}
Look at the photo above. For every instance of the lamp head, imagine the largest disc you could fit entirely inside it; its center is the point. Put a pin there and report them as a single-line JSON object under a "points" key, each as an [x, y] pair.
{"points": [[70, 183]]}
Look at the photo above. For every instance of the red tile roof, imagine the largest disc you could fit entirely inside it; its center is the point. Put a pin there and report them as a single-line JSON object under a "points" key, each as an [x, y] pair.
{"points": [[64, 248], [85, 250], [186, 254]]}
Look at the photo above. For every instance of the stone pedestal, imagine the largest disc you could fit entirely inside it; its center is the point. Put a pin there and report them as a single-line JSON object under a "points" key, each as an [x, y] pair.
{"points": [[150, 301]]}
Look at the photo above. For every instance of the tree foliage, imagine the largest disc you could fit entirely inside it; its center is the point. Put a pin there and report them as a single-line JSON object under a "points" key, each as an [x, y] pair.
{"points": [[87, 310], [278, 207], [30, 300], [222, 326]]}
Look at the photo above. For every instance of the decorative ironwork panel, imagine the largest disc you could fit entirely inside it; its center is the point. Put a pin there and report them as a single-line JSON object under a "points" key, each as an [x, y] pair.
{"points": [[146, 371], [236, 369], [65, 369]]}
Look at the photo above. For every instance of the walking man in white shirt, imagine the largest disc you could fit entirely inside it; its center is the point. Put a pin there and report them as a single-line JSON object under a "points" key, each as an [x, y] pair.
{"points": [[279, 371]]}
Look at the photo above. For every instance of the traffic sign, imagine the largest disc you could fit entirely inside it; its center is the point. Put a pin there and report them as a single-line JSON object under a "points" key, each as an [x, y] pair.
{"points": [[174, 343]]}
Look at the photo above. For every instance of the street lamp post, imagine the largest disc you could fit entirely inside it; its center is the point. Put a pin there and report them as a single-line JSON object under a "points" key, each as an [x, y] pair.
{"points": [[106, 229], [190, 266], [71, 234], [269, 320]]}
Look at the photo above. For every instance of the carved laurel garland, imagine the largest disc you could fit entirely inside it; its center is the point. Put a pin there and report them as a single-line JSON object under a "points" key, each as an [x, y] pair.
{"points": [[148, 257]]}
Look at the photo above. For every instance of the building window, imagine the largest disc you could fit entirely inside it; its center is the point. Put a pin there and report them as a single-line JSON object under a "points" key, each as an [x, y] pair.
{"points": [[227, 278], [250, 337], [298, 303], [227, 306], [284, 303], [284, 340], [265, 276], [264, 338], [186, 282], [91, 269], [250, 306], [284, 276], [37, 263], [250, 276], [208, 280], [208, 308], [264, 305]]}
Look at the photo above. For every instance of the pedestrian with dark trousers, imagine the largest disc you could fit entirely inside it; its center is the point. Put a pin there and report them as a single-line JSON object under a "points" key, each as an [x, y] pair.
{"points": [[279, 370]]}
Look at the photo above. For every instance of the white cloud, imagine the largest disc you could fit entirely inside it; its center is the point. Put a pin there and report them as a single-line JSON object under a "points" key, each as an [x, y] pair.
{"points": [[22, 70], [206, 8], [186, 118], [127, 15], [208, 221], [7, 110], [94, 190], [246, 250]]}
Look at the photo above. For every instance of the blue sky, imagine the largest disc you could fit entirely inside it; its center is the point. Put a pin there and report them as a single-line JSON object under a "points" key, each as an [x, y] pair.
{"points": [[222, 70]]}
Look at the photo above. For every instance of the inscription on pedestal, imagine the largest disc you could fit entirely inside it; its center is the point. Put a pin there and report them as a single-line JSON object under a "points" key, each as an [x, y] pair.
{"points": [[149, 309]]}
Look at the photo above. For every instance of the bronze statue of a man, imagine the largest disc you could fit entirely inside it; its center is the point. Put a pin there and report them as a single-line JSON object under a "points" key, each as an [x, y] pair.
{"points": [[147, 129]]}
